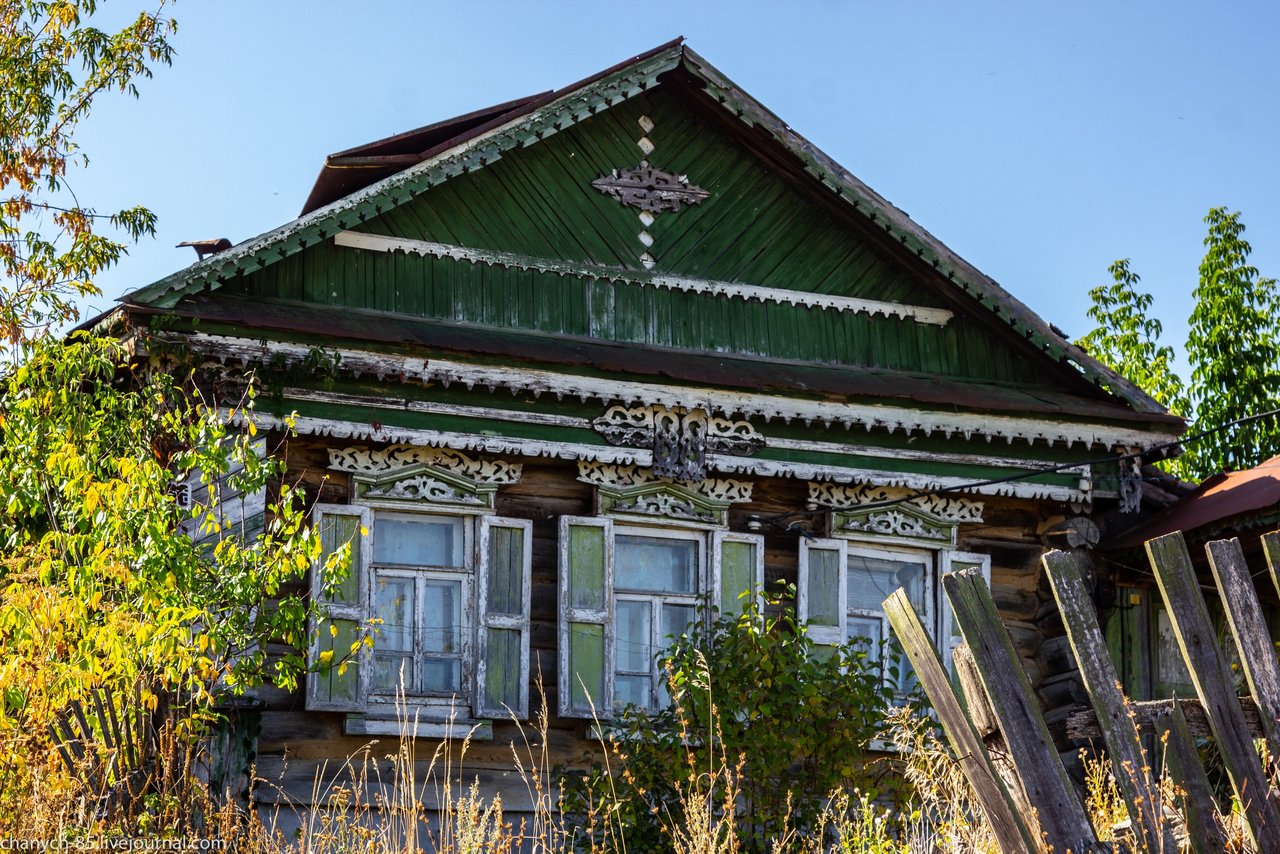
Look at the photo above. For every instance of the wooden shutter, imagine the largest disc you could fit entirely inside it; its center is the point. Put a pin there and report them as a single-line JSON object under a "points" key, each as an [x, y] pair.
{"points": [[504, 573], [948, 639], [342, 610], [585, 673], [737, 566], [822, 590]]}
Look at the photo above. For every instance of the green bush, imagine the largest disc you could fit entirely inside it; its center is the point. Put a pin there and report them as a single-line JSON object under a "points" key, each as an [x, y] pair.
{"points": [[758, 712]]}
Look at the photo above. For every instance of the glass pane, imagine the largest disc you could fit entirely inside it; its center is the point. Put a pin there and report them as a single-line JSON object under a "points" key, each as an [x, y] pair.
{"points": [[872, 579], [417, 541], [676, 620], [631, 689], [868, 631], [442, 674], [442, 614], [824, 587], [900, 666], [387, 673], [506, 570], [393, 601], [656, 563], [633, 652]]}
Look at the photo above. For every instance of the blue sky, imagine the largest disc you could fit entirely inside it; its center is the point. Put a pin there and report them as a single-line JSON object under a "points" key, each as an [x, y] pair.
{"points": [[1040, 140]]}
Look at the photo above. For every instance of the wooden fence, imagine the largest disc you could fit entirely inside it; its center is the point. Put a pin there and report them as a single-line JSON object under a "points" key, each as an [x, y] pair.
{"points": [[992, 715]]}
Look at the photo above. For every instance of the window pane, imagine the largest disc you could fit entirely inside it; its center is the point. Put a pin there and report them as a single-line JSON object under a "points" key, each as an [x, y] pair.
{"points": [[869, 631], [442, 674], [656, 563], [419, 541], [443, 614], [386, 673], [393, 599], [633, 652], [676, 620], [872, 579], [631, 689], [824, 587]]}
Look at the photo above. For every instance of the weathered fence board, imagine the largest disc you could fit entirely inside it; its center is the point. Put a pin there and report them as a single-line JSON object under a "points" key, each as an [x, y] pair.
{"points": [[1084, 723], [1204, 829], [984, 720], [1249, 628], [1011, 833], [1061, 814], [1130, 765], [1211, 676]]}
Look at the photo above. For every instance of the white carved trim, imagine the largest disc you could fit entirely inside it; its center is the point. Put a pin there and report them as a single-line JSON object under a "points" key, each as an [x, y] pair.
{"points": [[724, 403], [946, 508], [511, 261], [422, 487], [365, 432], [635, 426], [896, 523], [615, 476], [664, 505], [375, 461]]}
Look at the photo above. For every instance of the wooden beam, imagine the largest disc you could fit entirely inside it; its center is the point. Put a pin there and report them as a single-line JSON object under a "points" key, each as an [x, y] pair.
{"points": [[1189, 618], [1130, 765], [1204, 826], [1084, 723], [1061, 814], [1249, 628], [1010, 831]]}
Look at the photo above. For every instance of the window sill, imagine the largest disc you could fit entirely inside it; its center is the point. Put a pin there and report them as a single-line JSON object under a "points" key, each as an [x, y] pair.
{"points": [[456, 728]]}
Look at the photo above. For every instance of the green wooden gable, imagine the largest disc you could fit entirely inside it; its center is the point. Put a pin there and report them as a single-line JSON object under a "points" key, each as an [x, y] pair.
{"points": [[512, 253]]}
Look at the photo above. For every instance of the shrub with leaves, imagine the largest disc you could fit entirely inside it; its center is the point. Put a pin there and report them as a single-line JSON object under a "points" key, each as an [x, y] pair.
{"points": [[109, 580], [755, 703]]}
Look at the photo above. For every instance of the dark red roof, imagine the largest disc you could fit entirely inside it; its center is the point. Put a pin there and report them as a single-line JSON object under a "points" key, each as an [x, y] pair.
{"points": [[1221, 497]]}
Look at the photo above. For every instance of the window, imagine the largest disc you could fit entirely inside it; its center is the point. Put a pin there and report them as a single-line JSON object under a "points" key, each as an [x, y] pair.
{"points": [[626, 590], [843, 584], [446, 591]]}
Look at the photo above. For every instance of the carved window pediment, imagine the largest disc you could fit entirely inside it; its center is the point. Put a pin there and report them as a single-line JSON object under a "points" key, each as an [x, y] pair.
{"points": [[662, 502], [894, 514], [425, 484]]}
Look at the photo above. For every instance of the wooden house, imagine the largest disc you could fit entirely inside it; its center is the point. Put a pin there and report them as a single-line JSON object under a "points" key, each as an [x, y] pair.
{"points": [[576, 360]]}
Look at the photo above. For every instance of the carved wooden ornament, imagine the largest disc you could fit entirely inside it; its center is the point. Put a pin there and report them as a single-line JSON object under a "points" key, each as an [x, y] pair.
{"points": [[650, 189]]}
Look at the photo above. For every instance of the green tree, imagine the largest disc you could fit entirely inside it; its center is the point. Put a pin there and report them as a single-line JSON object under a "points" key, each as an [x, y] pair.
{"points": [[53, 67], [1127, 338], [1232, 347], [1233, 351]]}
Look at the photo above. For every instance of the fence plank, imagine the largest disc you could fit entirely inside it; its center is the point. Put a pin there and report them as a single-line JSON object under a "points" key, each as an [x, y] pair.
{"points": [[974, 697], [1061, 814], [1249, 627], [1271, 548], [1211, 676], [1204, 828], [1130, 765], [1010, 831]]}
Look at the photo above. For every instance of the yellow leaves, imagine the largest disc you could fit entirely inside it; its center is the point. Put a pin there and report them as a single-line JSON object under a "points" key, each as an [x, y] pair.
{"points": [[326, 657], [333, 631]]}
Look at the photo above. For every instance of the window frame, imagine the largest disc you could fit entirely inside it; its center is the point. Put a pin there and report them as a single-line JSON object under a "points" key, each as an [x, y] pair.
{"points": [[657, 599]]}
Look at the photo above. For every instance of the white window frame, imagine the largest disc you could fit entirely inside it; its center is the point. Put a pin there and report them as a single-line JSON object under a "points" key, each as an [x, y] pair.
{"points": [[925, 558], [655, 600], [953, 561]]}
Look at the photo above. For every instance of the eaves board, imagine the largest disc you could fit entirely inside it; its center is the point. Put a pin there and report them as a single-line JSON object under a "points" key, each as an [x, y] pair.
{"points": [[325, 418], [328, 327]]}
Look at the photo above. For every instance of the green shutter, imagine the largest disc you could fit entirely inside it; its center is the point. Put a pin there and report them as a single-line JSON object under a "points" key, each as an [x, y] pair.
{"points": [[585, 683], [821, 590], [737, 571], [504, 577], [341, 611]]}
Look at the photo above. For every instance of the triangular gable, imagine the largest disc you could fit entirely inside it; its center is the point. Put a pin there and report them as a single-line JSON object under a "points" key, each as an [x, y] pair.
{"points": [[542, 117]]}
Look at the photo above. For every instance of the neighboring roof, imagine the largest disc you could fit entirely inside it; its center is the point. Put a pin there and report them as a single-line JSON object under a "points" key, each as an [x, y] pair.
{"points": [[356, 168], [529, 120], [1220, 498]]}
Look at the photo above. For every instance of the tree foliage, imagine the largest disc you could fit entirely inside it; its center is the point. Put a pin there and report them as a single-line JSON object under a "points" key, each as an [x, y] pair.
{"points": [[53, 67], [754, 707], [1232, 347]]}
